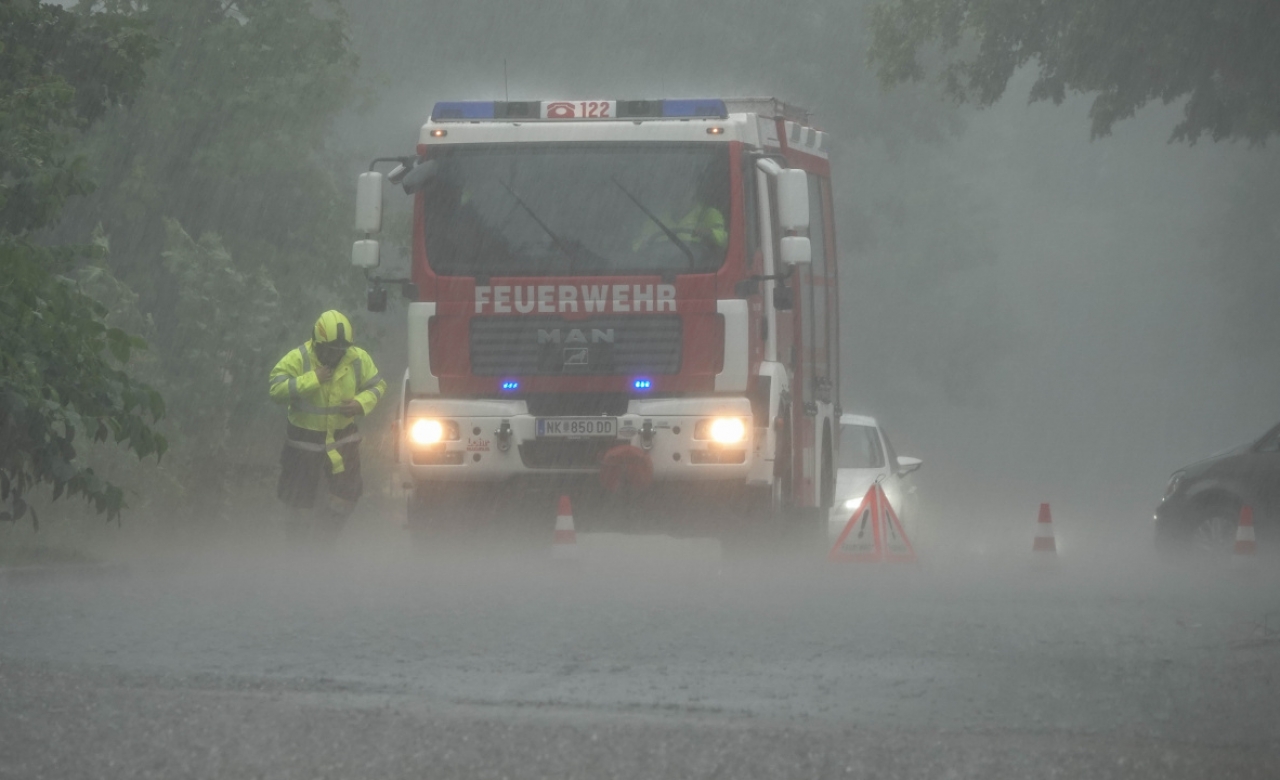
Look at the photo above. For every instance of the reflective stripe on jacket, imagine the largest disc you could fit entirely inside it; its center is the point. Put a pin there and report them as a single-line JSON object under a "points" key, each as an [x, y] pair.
{"points": [[316, 405]]}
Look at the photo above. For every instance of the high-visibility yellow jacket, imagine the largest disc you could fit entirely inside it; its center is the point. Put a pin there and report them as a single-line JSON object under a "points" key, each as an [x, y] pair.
{"points": [[700, 224], [315, 405], [703, 219]]}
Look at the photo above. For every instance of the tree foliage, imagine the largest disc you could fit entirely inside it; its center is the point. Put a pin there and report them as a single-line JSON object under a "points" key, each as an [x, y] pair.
{"points": [[62, 370], [221, 348], [228, 136], [61, 376], [1220, 56], [228, 231], [58, 72]]}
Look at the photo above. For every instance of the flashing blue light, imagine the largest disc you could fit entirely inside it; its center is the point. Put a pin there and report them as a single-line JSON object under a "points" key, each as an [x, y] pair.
{"points": [[462, 110], [510, 385], [695, 108], [642, 384]]}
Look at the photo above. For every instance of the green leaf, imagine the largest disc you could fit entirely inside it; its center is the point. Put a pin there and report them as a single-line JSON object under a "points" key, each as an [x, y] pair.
{"points": [[1123, 53], [14, 403], [157, 404], [118, 343]]}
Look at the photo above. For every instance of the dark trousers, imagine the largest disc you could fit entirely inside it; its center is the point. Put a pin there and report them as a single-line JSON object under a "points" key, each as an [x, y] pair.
{"points": [[301, 470]]}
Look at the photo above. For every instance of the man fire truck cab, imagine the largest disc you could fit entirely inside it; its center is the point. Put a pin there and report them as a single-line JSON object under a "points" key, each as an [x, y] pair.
{"points": [[631, 302]]}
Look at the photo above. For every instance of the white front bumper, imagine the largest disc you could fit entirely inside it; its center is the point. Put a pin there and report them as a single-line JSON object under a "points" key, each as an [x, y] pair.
{"points": [[478, 457]]}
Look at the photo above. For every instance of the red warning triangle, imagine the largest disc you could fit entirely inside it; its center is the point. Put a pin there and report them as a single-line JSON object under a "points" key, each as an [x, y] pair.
{"points": [[873, 534], [897, 547], [859, 542]]}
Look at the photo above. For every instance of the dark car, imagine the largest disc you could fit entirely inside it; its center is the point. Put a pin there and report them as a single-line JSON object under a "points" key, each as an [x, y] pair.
{"points": [[1202, 503]]}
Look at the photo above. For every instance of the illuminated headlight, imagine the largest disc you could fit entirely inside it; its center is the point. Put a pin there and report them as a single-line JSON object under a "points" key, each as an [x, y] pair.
{"points": [[852, 503], [721, 430], [425, 431]]}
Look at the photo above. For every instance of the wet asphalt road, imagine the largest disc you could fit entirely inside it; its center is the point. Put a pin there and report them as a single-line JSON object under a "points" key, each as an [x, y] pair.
{"points": [[653, 658]]}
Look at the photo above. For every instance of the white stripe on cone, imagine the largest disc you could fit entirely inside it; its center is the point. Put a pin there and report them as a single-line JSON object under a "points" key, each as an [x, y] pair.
{"points": [[565, 546], [1246, 543]]}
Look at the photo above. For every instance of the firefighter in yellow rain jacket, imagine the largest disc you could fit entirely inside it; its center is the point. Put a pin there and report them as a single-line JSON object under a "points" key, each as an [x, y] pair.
{"points": [[327, 382], [702, 227]]}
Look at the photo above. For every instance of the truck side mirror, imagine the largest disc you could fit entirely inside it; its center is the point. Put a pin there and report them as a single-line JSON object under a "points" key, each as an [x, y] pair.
{"points": [[417, 177], [369, 202], [365, 254], [376, 300], [793, 200], [796, 250], [783, 300]]}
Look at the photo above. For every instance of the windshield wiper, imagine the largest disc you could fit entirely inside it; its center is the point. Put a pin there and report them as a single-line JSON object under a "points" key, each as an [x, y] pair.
{"points": [[555, 239], [666, 230]]}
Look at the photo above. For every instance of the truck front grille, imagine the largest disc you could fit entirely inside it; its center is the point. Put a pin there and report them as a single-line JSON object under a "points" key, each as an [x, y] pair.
{"points": [[550, 346], [565, 454]]}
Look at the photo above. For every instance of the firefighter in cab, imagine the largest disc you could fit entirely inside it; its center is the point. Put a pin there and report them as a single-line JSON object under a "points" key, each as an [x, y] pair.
{"points": [[702, 228], [327, 383]]}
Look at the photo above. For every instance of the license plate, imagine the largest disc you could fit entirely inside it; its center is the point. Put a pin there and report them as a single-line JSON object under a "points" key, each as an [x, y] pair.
{"points": [[577, 427]]}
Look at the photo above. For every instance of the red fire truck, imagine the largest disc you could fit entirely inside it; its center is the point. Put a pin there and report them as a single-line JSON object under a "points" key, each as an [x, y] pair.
{"points": [[632, 302]]}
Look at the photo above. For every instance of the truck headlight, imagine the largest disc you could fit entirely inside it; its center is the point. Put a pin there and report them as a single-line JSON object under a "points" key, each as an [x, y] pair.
{"points": [[425, 431], [721, 430]]}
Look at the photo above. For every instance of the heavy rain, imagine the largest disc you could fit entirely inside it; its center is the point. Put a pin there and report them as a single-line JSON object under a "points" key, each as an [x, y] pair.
{"points": [[567, 389]]}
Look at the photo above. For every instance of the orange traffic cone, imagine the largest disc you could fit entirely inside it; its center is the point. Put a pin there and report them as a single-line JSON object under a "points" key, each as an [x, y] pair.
{"points": [[565, 546], [1044, 533], [1245, 542]]}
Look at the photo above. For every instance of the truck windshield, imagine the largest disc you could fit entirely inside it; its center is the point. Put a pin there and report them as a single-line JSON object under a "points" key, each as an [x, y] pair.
{"points": [[580, 209]]}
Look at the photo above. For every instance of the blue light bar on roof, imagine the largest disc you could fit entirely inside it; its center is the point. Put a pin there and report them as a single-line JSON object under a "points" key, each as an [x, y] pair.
{"points": [[462, 110], [694, 108], [526, 110]]}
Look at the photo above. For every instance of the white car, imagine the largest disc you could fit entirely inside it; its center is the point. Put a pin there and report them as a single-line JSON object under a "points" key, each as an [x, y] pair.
{"points": [[864, 456]]}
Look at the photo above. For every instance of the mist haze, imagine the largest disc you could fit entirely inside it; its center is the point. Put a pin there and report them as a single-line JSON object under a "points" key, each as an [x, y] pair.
{"points": [[1041, 316], [1038, 315]]}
